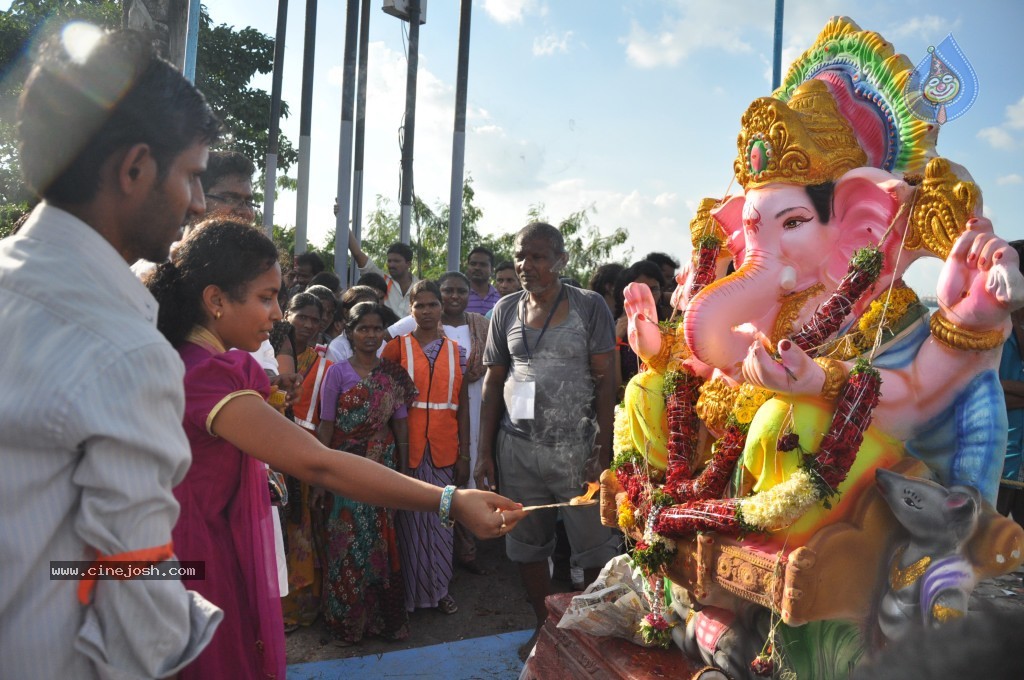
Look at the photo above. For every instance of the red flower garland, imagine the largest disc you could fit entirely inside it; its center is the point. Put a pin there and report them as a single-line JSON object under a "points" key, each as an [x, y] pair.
{"points": [[683, 425], [686, 519], [715, 477], [708, 248], [857, 402], [864, 269]]}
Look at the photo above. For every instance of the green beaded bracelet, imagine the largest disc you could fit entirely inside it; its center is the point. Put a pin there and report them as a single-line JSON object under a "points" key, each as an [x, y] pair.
{"points": [[445, 509]]}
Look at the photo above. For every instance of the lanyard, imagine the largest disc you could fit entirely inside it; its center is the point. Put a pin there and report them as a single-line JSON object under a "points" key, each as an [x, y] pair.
{"points": [[522, 320]]}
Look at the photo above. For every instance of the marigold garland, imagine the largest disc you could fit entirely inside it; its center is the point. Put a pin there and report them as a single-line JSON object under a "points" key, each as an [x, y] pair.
{"points": [[883, 315]]}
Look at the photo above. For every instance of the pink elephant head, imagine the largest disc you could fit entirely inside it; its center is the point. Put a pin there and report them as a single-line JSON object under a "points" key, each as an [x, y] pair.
{"points": [[786, 239]]}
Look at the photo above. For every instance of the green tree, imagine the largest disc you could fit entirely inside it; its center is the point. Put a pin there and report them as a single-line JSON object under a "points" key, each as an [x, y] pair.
{"points": [[226, 61], [588, 248]]}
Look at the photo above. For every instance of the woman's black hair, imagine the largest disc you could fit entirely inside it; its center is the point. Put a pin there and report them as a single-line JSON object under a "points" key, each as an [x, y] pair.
{"points": [[300, 300], [603, 279], [421, 286], [821, 197], [222, 251], [324, 295], [632, 273], [373, 280], [453, 275], [358, 311]]}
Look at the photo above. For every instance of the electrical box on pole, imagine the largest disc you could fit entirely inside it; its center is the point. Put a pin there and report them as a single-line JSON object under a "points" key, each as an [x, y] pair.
{"points": [[400, 9]]}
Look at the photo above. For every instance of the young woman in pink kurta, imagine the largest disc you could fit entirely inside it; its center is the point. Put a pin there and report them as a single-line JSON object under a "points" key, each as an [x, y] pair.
{"points": [[220, 290]]}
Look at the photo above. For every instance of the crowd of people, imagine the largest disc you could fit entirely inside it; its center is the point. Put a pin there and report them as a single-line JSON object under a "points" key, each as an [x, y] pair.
{"points": [[324, 450]]}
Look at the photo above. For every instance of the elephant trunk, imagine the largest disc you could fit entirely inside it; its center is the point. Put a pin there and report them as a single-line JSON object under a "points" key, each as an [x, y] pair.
{"points": [[722, 320]]}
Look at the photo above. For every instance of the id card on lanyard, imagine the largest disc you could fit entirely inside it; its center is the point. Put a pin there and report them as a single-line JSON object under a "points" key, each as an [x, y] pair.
{"points": [[521, 395]]}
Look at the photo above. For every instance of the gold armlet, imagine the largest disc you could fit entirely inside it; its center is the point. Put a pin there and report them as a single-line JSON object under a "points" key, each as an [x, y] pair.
{"points": [[951, 335], [835, 377]]}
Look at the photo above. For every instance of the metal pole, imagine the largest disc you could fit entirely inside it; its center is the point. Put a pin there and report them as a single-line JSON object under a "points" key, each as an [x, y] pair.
{"points": [[409, 127], [777, 60], [305, 124], [459, 141], [348, 90], [357, 174], [191, 41], [270, 170]]}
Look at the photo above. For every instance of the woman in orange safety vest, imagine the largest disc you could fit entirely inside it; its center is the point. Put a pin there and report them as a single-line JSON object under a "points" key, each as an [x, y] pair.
{"points": [[438, 445]]}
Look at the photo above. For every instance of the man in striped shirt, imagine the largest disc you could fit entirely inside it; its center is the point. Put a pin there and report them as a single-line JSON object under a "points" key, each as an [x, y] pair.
{"points": [[113, 140]]}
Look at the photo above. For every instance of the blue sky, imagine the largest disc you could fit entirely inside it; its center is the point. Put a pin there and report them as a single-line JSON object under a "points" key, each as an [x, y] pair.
{"points": [[631, 106]]}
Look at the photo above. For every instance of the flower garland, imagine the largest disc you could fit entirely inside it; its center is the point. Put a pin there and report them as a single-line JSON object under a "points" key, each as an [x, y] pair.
{"points": [[864, 269], [681, 393], [707, 249], [881, 317], [655, 629], [816, 481]]}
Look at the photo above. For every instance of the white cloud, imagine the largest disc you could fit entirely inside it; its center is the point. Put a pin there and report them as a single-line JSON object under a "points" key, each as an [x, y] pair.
{"points": [[512, 11], [1015, 115], [928, 27], [997, 137], [1008, 180], [551, 43], [698, 26]]}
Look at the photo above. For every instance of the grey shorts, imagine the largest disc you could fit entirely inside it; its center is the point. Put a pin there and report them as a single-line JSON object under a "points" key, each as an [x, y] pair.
{"points": [[537, 474]]}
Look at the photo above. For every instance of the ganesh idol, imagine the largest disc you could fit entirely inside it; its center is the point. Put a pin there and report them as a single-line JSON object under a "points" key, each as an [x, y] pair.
{"points": [[808, 444]]}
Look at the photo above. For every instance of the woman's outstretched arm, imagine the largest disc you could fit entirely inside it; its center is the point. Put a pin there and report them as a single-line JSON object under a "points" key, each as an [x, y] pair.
{"points": [[256, 428]]}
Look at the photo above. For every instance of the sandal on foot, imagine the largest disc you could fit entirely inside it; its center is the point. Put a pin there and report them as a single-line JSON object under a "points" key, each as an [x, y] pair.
{"points": [[446, 605]]}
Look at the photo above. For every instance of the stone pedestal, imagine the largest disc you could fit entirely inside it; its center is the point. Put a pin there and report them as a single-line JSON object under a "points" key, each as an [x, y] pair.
{"points": [[563, 654]]}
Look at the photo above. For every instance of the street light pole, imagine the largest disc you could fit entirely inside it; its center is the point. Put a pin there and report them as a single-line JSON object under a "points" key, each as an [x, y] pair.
{"points": [[409, 126], [459, 141], [777, 56], [305, 126], [270, 169]]}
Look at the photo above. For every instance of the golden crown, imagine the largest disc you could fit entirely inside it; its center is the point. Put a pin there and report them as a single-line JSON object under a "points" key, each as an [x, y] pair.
{"points": [[805, 141]]}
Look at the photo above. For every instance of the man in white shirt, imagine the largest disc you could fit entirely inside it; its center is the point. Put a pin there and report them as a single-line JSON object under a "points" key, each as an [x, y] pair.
{"points": [[399, 276], [113, 139]]}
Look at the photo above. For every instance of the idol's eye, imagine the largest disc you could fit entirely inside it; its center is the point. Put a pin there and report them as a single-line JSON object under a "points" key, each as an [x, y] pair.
{"points": [[794, 222]]}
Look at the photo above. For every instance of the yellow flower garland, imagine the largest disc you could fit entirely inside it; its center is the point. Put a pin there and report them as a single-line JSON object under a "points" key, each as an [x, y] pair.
{"points": [[882, 315], [748, 400]]}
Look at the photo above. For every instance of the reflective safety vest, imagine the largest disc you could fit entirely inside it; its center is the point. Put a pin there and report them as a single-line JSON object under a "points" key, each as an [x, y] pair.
{"points": [[433, 418], [307, 408]]}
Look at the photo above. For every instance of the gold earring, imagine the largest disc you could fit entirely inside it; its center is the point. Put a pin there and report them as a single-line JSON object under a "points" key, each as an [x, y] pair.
{"points": [[216, 315]]}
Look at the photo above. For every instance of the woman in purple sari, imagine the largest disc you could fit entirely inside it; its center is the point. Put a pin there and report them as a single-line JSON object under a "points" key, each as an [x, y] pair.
{"points": [[363, 411], [218, 291]]}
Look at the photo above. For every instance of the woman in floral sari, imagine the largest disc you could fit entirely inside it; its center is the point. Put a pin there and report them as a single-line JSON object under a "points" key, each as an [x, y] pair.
{"points": [[363, 411]]}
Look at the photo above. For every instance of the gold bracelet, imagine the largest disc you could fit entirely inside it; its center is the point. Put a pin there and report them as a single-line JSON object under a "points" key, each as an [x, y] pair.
{"points": [[463, 457], [951, 335], [835, 377]]}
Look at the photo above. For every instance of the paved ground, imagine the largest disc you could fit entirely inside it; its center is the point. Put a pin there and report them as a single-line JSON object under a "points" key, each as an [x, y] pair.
{"points": [[488, 605]]}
